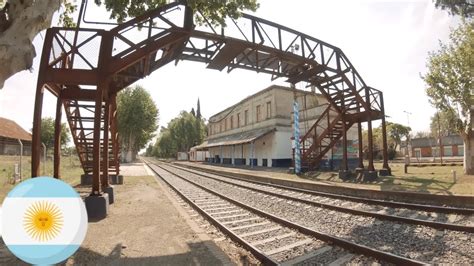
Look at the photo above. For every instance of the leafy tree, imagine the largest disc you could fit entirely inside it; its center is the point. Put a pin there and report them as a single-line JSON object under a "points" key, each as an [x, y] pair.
{"points": [[422, 134], [449, 83], [214, 11], [149, 150], [182, 133], [443, 124], [463, 8], [396, 132], [198, 110], [192, 112], [137, 119], [47, 133], [22, 20]]}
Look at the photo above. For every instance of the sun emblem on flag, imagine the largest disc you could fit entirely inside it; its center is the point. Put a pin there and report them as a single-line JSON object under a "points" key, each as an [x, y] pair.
{"points": [[43, 221]]}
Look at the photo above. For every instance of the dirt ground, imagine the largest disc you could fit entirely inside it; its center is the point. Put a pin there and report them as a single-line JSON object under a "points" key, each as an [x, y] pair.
{"points": [[142, 228]]}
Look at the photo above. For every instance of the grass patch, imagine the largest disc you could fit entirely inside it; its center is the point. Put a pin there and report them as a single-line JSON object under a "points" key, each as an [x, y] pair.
{"points": [[70, 170], [429, 179]]}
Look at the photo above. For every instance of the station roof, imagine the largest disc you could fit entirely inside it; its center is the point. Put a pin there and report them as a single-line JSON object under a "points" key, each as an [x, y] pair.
{"points": [[235, 139], [10, 129]]}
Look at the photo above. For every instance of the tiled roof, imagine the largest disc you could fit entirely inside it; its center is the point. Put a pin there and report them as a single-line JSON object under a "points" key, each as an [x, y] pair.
{"points": [[10, 129]]}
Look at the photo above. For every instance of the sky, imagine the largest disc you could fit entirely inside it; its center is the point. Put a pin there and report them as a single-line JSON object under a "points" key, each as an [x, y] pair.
{"points": [[386, 41]]}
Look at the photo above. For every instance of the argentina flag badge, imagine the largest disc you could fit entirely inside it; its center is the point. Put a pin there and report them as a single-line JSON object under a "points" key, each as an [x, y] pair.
{"points": [[44, 221]]}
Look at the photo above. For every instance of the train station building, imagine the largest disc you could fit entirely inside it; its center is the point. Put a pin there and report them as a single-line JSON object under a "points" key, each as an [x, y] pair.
{"points": [[258, 130]]}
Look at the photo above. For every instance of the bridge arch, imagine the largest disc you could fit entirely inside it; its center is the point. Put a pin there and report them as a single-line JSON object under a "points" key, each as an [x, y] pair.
{"points": [[85, 68]]}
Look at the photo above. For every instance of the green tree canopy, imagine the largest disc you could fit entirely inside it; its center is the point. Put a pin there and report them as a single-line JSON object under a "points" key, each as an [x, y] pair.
{"points": [[449, 82], [47, 133], [137, 118], [214, 11], [182, 133], [463, 8], [443, 124], [396, 132]]}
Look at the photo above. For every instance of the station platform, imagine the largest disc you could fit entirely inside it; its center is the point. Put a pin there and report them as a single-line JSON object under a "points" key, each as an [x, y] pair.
{"points": [[331, 184], [145, 226]]}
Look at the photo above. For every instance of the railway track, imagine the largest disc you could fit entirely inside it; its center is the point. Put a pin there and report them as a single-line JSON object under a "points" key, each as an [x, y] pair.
{"points": [[458, 219], [272, 239]]}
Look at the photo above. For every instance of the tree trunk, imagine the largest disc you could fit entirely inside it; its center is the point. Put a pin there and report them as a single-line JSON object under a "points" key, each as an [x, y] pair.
{"points": [[26, 18], [468, 155]]}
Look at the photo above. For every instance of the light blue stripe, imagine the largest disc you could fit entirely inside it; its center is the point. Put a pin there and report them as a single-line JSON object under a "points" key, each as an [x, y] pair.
{"points": [[297, 137], [43, 187], [43, 254]]}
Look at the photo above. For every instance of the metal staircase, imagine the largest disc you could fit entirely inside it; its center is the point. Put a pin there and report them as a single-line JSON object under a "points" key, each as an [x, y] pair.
{"points": [[85, 68]]}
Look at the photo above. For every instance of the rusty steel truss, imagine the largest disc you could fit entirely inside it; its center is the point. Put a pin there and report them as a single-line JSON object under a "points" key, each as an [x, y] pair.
{"points": [[85, 68]]}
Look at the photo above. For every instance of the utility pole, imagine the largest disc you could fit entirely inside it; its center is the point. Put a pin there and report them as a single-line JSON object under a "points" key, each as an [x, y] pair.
{"points": [[407, 153], [439, 139]]}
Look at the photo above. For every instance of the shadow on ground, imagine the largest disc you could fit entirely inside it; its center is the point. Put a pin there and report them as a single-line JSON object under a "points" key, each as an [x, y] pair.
{"points": [[198, 254]]}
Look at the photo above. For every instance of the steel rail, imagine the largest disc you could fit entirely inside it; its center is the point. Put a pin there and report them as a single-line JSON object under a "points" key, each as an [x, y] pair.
{"points": [[255, 251], [346, 244], [396, 204], [382, 216]]}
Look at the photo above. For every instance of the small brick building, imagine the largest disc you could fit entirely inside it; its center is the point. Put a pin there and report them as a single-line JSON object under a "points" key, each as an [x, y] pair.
{"points": [[10, 134], [429, 147]]}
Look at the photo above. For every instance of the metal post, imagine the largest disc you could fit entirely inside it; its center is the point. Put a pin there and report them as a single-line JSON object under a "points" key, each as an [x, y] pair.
{"points": [[57, 139], [361, 154], [384, 135], [345, 166], [21, 157], [44, 158], [114, 134], [105, 148], [369, 131], [36, 138]]}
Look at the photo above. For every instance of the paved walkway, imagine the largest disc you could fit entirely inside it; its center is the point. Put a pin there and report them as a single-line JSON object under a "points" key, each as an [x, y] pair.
{"points": [[144, 227]]}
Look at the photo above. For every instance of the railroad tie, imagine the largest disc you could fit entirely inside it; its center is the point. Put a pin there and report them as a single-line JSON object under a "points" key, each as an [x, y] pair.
{"points": [[271, 239], [342, 260], [288, 247], [261, 231], [307, 256]]}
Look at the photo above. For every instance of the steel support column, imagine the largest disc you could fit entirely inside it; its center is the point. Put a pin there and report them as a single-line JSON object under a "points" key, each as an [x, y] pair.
{"points": [[113, 131], [369, 133], [105, 147], [361, 147], [36, 138], [345, 166], [384, 135], [57, 138]]}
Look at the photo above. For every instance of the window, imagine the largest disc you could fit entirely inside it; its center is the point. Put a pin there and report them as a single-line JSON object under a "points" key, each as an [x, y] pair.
{"points": [[269, 110], [259, 115], [246, 117], [460, 150], [448, 151], [238, 120], [220, 127], [231, 122]]}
